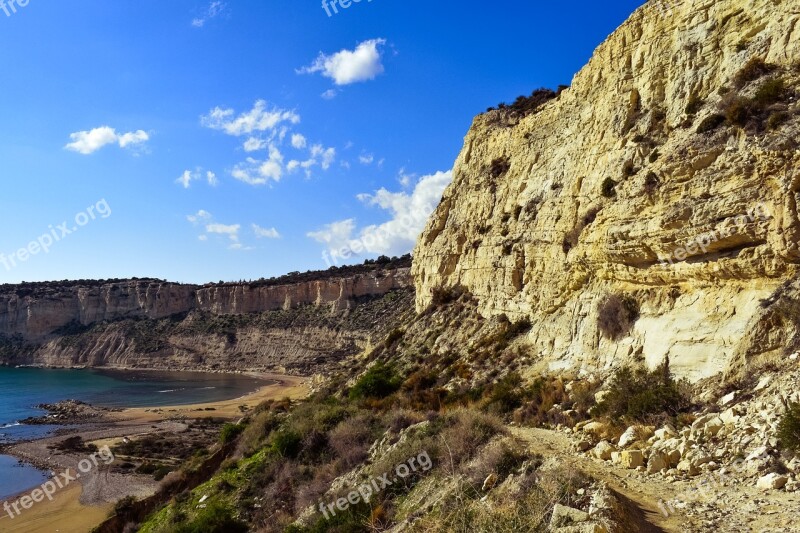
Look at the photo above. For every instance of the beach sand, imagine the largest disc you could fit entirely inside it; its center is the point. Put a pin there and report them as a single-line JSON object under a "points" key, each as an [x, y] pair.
{"points": [[64, 514], [84, 504]]}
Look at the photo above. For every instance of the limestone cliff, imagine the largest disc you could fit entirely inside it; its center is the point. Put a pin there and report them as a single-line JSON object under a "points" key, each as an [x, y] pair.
{"points": [[667, 174], [302, 322]]}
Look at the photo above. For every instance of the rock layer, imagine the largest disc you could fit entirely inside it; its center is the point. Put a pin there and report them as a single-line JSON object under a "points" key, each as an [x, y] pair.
{"points": [[54, 310], [610, 189]]}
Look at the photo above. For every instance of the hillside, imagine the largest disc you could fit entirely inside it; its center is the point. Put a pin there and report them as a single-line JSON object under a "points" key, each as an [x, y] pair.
{"points": [[605, 334]]}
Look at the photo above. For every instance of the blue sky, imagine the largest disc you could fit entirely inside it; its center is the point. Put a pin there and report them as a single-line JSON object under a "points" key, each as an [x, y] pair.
{"points": [[200, 141]]}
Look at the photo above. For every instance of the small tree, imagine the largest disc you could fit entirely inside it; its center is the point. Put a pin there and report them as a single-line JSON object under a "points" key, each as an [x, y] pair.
{"points": [[789, 428]]}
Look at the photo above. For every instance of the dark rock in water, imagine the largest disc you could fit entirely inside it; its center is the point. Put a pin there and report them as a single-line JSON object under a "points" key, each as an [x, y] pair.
{"points": [[66, 412]]}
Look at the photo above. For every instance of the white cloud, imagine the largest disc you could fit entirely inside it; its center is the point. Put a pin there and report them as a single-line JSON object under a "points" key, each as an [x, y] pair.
{"points": [[349, 66], [256, 120], [298, 141], [366, 159], [201, 217], [254, 144], [404, 178], [335, 234], [409, 212], [259, 172], [330, 94], [265, 233], [213, 10], [189, 176], [88, 142], [325, 156], [319, 156], [229, 230]]}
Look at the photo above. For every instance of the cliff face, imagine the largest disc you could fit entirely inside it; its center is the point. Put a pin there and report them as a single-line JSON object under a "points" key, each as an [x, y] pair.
{"points": [[339, 293], [35, 317], [667, 173], [48, 310]]}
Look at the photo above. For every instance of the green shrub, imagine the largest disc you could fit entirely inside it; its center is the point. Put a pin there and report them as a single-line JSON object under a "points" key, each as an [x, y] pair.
{"points": [[230, 432], [777, 119], [738, 111], [286, 443], [616, 315], [609, 188], [770, 92], [378, 382], [216, 518], [711, 123], [642, 395], [789, 428], [124, 506], [505, 395]]}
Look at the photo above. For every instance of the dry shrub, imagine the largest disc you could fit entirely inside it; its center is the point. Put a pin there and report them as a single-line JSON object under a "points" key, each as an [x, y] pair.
{"points": [[466, 432], [500, 457], [530, 511], [541, 396], [753, 70], [399, 419], [616, 315], [351, 439]]}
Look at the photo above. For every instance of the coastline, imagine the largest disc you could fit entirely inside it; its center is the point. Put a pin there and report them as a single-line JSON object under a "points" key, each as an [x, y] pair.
{"points": [[84, 504]]}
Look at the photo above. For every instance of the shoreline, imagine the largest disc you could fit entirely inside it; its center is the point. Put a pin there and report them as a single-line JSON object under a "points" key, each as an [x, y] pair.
{"points": [[84, 504]]}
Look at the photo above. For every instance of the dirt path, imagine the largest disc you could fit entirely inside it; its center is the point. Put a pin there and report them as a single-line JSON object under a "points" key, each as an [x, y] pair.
{"points": [[640, 495]]}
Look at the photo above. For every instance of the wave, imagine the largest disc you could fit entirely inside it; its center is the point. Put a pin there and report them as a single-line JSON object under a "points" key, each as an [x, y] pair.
{"points": [[14, 424]]}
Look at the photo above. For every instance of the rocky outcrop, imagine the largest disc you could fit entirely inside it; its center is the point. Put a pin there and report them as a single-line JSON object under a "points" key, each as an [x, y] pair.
{"points": [[52, 310], [666, 174]]}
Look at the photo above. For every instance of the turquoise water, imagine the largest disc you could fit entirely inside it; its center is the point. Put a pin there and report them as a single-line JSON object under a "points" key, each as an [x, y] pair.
{"points": [[23, 388]]}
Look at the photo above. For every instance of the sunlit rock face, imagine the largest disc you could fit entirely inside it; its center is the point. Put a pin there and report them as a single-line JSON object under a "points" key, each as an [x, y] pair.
{"points": [[610, 188]]}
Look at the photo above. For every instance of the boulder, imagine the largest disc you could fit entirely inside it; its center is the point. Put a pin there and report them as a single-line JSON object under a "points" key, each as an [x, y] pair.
{"points": [[632, 459], [566, 516], [688, 467], [712, 427], [629, 437], [656, 463], [772, 481], [728, 399], [600, 396], [666, 432], [603, 450]]}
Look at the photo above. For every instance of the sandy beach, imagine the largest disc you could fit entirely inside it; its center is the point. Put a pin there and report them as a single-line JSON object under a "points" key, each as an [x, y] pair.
{"points": [[85, 502]]}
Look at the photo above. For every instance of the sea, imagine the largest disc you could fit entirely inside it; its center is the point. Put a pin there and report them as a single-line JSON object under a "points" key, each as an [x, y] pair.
{"points": [[21, 389]]}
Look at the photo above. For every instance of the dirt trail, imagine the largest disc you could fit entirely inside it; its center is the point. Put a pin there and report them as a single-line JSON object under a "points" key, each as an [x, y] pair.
{"points": [[642, 495]]}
